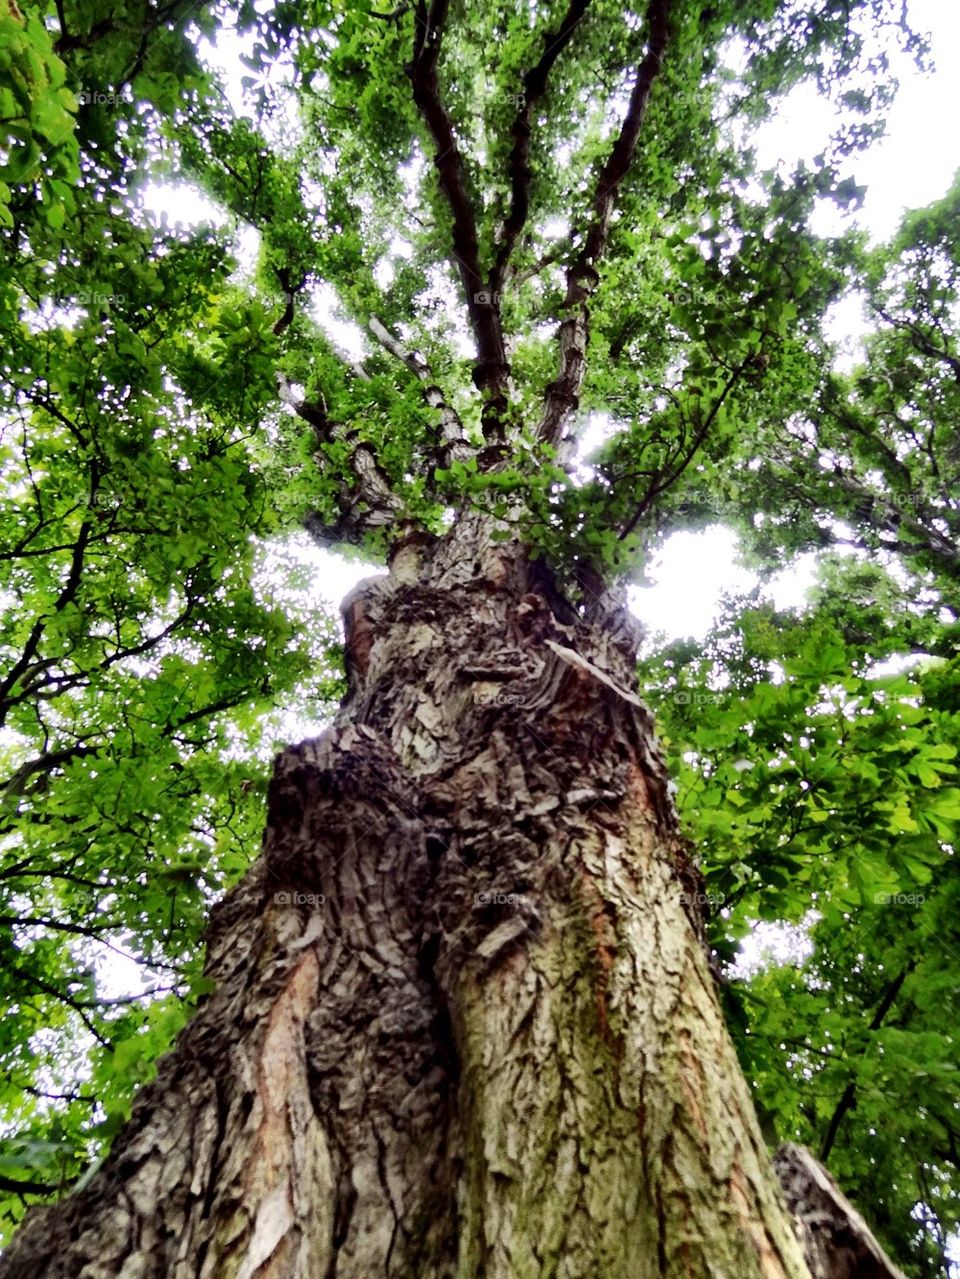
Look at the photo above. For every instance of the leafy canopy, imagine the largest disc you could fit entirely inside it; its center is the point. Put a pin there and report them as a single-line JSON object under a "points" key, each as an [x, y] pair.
{"points": [[583, 310]]}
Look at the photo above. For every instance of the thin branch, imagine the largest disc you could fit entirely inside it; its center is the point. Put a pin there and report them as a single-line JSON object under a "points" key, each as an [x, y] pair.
{"points": [[850, 1092], [78, 1007], [656, 489], [65, 597], [57, 684], [891, 519], [60, 926], [394, 16], [454, 445], [57, 1096], [521, 277], [46, 403], [922, 342]]}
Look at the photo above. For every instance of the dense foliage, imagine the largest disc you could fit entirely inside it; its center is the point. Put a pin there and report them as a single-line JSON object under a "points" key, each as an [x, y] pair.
{"points": [[174, 412]]}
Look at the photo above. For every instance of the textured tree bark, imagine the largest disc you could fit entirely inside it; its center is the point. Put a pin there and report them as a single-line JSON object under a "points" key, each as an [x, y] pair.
{"points": [[837, 1242], [463, 1023]]}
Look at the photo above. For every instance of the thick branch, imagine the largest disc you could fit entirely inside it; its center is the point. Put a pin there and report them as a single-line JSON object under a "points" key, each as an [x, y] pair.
{"points": [[44, 764], [413, 362], [563, 395], [369, 501], [534, 87], [290, 292], [454, 445], [14, 1186], [837, 1242], [483, 308]]}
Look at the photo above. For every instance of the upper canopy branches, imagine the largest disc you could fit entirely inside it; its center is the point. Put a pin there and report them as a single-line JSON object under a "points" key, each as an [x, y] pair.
{"points": [[483, 295], [527, 190], [546, 206]]}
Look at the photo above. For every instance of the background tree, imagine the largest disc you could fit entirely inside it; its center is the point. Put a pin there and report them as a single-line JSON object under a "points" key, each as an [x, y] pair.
{"points": [[458, 1013]]}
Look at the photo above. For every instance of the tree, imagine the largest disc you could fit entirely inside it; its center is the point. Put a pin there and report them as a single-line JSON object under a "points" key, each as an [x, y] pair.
{"points": [[464, 1013]]}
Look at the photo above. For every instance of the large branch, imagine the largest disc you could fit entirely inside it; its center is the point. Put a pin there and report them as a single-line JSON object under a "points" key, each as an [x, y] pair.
{"points": [[563, 395], [290, 292], [45, 764], [369, 501], [534, 87], [491, 371], [14, 1186], [454, 445]]}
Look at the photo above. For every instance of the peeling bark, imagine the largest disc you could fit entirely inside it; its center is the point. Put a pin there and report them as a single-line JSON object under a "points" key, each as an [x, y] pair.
{"points": [[463, 1024]]}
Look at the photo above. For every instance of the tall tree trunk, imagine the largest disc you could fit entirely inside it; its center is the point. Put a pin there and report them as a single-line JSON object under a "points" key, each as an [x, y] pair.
{"points": [[463, 1024]]}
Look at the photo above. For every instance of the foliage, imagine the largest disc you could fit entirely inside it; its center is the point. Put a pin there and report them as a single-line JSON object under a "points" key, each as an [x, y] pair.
{"points": [[139, 659], [825, 793]]}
